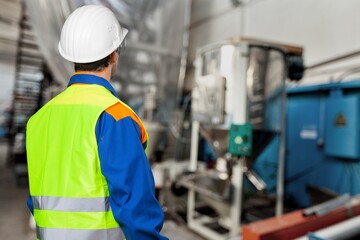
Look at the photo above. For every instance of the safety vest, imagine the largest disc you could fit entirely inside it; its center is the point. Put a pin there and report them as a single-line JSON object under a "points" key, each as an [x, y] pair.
{"points": [[69, 192]]}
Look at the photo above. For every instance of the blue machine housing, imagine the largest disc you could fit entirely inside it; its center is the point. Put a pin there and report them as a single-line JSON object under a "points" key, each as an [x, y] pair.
{"points": [[322, 142]]}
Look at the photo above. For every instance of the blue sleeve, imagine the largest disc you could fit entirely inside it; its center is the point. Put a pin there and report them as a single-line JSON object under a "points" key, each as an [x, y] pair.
{"points": [[129, 177], [30, 205], [29, 200]]}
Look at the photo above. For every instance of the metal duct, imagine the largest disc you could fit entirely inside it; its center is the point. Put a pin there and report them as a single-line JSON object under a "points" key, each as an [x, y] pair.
{"points": [[155, 49]]}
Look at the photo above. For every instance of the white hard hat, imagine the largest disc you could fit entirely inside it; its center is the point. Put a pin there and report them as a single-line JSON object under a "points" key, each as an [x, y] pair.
{"points": [[89, 34]]}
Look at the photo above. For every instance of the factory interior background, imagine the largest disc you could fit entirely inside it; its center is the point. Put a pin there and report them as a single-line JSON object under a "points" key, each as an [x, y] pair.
{"points": [[252, 109]]}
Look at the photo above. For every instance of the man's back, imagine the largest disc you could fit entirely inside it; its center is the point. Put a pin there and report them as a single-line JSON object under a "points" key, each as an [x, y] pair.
{"points": [[66, 184]]}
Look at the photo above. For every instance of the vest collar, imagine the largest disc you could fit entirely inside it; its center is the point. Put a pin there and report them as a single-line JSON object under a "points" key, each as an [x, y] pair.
{"points": [[86, 78]]}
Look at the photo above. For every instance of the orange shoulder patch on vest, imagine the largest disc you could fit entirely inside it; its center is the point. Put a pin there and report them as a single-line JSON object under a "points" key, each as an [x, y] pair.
{"points": [[119, 111]]}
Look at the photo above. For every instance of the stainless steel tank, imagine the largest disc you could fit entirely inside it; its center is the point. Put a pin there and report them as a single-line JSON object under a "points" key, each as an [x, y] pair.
{"points": [[237, 81]]}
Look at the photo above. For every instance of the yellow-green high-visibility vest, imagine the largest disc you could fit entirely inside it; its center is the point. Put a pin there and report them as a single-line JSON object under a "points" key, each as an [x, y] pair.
{"points": [[69, 192]]}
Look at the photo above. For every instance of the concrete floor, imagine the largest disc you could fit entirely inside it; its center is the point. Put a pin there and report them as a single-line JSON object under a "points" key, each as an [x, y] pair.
{"points": [[14, 215]]}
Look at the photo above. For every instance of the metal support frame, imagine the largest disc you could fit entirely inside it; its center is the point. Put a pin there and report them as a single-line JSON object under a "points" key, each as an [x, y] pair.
{"points": [[236, 205], [196, 221]]}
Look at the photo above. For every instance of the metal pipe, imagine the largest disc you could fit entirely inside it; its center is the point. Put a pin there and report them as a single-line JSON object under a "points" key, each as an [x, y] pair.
{"points": [[184, 51], [324, 208], [335, 59], [193, 167], [343, 230], [281, 164], [194, 146]]}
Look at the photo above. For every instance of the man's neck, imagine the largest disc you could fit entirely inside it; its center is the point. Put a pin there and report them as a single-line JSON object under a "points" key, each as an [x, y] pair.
{"points": [[103, 74]]}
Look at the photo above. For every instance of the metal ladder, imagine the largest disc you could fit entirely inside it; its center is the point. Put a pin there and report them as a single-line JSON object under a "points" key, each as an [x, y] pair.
{"points": [[31, 78]]}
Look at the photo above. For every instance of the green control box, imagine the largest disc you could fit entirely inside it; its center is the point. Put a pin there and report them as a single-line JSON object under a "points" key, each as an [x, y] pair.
{"points": [[240, 139]]}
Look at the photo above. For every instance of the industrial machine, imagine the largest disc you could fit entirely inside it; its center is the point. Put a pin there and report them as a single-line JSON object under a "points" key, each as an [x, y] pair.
{"points": [[238, 106], [322, 142], [305, 149]]}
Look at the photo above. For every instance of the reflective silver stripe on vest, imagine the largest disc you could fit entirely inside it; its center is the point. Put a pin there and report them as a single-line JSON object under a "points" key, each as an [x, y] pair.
{"points": [[79, 234], [71, 204]]}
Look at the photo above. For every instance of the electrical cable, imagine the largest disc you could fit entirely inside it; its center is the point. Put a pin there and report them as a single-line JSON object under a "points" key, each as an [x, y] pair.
{"points": [[347, 73]]}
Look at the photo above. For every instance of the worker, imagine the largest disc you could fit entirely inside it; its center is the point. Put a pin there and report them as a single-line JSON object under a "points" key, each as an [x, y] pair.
{"points": [[89, 176]]}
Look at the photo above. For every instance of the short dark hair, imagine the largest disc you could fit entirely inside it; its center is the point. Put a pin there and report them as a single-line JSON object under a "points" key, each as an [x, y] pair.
{"points": [[93, 66]]}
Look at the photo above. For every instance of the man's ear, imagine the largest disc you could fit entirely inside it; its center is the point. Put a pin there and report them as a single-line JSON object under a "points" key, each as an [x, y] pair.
{"points": [[113, 57]]}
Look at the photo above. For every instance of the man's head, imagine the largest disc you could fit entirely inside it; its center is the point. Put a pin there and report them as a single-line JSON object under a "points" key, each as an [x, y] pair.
{"points": [[99, 65], [90, 38]]}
